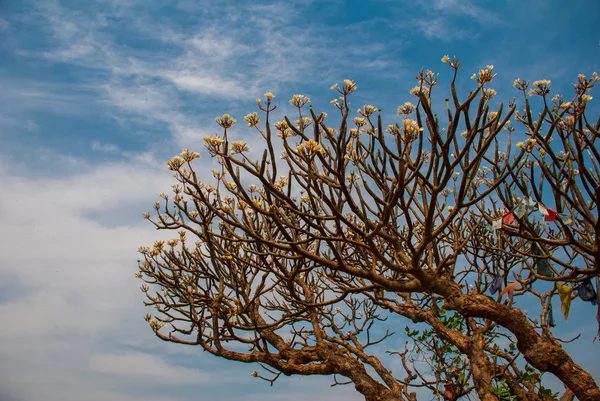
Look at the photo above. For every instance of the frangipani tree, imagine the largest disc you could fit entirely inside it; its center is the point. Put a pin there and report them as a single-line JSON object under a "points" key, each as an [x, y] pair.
{"points": [[294, 260]]}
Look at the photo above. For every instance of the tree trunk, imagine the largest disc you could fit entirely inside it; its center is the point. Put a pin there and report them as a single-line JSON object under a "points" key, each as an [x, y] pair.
{"points": [[540, 353]]}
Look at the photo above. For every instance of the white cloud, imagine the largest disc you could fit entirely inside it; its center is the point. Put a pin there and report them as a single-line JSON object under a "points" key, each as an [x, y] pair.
{"points": [[104, 147], [70, 229], [207, 84], [439, 28], [150, 367], [24, 96], [74, 281]]}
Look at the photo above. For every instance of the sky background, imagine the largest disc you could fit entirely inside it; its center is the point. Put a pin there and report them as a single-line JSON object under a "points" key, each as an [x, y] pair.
{"points": [[95, 97]]}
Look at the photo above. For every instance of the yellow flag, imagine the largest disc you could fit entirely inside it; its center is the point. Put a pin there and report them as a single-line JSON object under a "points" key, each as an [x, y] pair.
{"points": [[564, 292]]}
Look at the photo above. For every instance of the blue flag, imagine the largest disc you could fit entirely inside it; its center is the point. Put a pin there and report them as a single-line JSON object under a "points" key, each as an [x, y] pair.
{"points": [[495, 284], [550, 316], [586, 292]]}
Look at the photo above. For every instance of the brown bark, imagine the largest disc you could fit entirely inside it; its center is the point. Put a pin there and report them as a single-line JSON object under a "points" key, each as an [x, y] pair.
{"points": [[480, 367], [540, 353]]}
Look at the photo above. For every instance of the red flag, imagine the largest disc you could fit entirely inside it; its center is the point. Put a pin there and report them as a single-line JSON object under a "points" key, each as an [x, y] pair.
{"points": [[508, 218], [551, 215], [448, 392]]}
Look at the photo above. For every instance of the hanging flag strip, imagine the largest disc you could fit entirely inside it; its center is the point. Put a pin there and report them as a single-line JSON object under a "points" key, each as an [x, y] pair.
{"points": [[509, 288], [551, 216], [564, 292], [542, 264], [526, 205], [495, 284], [598, 302], [520, 210], [508, 218], [566, 219], [496, 224], [530, 203], [587, 292], [550, 316]]}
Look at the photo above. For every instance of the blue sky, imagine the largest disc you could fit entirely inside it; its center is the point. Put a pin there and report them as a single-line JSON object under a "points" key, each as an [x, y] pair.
{"points": [[96, 95]]}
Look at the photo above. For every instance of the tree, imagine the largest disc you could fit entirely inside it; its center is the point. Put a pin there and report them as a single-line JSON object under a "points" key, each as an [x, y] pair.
{"points": [[295, 261]]}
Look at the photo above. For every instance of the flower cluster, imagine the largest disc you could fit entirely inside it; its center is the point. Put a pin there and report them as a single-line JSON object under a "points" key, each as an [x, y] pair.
{"points": [[419, 89], [283, 129], [488, 93], [427, 78], [269, 96], [359, 121], [452, 62], [252, 119], [528, 145], [541, 88], [281, 182], [484, 76], [175, 163], [568, 123], [349, 87], [406, 108], [213, 143], [309, 147], [185, 157], [352, 178], [584, 84], [239, 147], [339, 103], [411, 130], [521, 84], [331, 132], [393, 129], [367, 110], [303, 123], [225, 121], [299, 101]]}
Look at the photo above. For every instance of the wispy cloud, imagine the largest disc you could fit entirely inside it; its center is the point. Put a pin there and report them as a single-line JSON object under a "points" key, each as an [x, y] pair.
{"points": [[439, 28], [148, 367], [439, 19], [104, 147], [95, 96]]}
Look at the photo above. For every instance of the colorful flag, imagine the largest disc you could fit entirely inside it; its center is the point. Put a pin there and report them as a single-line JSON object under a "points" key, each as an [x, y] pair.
{"points": [[509, 288], [508, 218], [564, 292], [509, 299], [587, 292], [551, 216], [449, 392], [550, 316], [495, 284], [598, 302], [566, 219], [529, 202], [520, 210], [496, 224], [542, 265]]}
